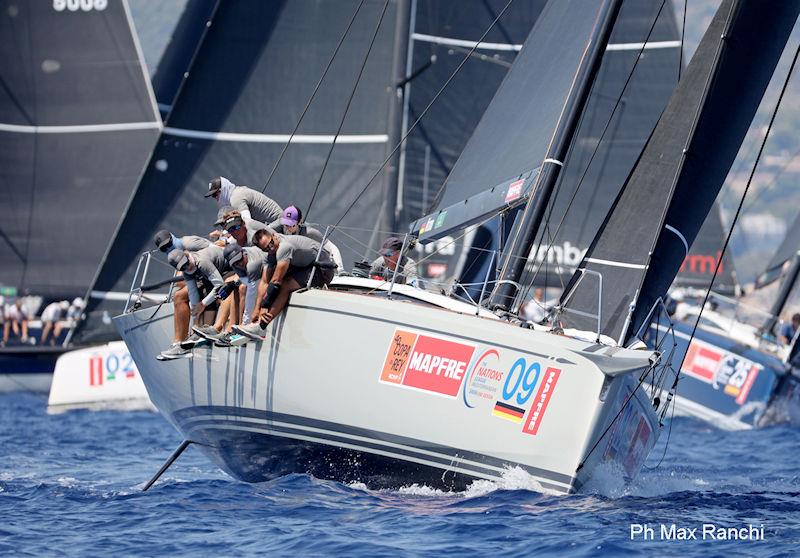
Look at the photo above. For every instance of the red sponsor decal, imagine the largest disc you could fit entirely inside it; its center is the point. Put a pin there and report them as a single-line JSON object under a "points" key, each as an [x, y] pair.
{"points": [[426, 363], [96, 371], [514, 190], [437, 269], [541, 401], [748, 383], [702, 362]]}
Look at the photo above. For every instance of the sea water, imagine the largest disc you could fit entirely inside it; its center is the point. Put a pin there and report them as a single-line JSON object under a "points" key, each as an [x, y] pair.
{"points": [[70, 484]]}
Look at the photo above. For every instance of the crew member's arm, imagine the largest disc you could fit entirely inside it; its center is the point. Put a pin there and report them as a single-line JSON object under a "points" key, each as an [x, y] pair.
{"points": [[266, 274], [213, 275]]}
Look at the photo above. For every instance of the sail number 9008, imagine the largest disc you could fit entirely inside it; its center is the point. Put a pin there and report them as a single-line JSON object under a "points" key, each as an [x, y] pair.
{"points": [[83, 5]]}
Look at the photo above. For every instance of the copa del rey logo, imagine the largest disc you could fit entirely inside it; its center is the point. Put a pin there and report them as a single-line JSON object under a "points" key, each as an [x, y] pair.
{"points": [[426, 362]]}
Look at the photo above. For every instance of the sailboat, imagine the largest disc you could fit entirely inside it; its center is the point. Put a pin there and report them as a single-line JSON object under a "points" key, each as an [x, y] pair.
{"points": [[392, 385], [78, 120], [736, 375]]}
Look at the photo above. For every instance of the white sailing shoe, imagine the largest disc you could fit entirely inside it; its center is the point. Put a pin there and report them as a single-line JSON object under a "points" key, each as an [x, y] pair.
{"points": [[174, 351], [253, 331]]}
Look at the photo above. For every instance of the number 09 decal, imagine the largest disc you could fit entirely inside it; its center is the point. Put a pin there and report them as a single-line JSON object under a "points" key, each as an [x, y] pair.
{"points": [[521, 381]]}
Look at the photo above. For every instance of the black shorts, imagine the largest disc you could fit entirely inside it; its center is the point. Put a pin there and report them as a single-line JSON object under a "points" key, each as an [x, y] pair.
{"points": [[322, 276]]}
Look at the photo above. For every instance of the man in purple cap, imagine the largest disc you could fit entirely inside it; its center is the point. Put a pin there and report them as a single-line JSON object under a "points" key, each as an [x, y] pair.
{"points": [[291, 222]]}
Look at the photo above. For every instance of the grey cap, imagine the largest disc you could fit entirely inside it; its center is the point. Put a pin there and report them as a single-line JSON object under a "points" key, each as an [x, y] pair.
{"points": [[178, 259], [213, 187], [220, 215], [232, 222], [163, 239], [233, 254]]}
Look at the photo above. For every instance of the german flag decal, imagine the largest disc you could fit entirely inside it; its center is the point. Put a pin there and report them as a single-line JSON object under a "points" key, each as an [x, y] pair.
{"points": [[508, 412]]}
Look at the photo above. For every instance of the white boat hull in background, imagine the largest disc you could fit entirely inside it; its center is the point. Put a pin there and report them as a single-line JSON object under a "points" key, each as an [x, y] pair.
{"points": [[102, 377], [327, 395]]}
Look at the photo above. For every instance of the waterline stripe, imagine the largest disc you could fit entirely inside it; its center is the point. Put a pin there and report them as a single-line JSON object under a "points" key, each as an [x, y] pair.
{"points": [[274, 138]]}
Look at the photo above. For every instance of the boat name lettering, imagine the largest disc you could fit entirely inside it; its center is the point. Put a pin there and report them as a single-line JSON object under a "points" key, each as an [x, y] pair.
{"points": [[106, 369]]}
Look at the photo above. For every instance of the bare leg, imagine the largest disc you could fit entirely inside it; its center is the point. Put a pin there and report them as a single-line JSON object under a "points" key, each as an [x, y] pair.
{"points": [[15, 328], [182, 314], [6, 330], [223, 312], [242, 297], [46, 331], [58, 328], [24, 330]]}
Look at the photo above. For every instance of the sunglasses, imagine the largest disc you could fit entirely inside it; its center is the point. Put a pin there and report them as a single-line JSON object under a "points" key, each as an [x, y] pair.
{"points": [[166, 248], [234, 228]]}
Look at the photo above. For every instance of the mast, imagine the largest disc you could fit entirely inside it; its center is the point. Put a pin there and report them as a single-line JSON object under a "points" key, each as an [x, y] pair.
{"points": [[399, 62], [783, 295], [531, 218]]}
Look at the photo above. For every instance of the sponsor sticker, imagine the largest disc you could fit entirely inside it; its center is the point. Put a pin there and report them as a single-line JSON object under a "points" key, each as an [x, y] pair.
{"points": [[514, 190], [104, 369], [96, 370], [440, 219], [508, 412], [484, 378], [541, 400], [437, 269], [426, 362], [734, 374]]}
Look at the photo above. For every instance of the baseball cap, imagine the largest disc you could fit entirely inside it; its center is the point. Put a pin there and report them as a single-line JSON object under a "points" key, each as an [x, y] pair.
{"points": [[232, 222], [163, 239], [214, 186], [391, 244], [291, 216], [233, 254], [178, 259], [221, 215]]}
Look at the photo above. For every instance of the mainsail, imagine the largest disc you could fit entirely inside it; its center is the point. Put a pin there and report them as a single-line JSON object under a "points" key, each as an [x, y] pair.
{"points": [[658, 214], [77, 122], [234, 113]]}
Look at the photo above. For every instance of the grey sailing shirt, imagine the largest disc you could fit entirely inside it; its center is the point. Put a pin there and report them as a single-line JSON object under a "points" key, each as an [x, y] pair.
{"points": [[254, 205]]}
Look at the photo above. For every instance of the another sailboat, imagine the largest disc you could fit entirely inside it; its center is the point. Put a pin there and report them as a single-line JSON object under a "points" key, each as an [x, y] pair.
{"points": [[389, 385], [78, 122]]}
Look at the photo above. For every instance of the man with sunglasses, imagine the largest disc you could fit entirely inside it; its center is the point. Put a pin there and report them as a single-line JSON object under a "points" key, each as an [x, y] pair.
{"points": [[166, 242], [291, 222], [390, 259], [294, 262], [251, 204], [207, 264], [241, 231]]}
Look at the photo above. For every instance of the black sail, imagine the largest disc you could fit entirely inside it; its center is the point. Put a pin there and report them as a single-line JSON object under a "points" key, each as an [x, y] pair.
{"points": [[645, 238], [77, 123], [637, 76], [253, 73], [786, 251], [698, 267]]}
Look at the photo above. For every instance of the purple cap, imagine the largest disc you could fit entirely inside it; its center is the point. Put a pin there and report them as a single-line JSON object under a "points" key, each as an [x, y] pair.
{"points": [[291, 216]]}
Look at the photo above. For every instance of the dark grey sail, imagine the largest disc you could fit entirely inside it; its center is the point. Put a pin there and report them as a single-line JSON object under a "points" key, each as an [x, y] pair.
{"points": [[611, 136], [659, 212], [697, 269], [785, 253], [77, 123], [253, 73]]}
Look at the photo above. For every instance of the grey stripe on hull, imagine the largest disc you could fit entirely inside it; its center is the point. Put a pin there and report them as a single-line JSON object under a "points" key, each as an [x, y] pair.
{"points": [[194, 417]]}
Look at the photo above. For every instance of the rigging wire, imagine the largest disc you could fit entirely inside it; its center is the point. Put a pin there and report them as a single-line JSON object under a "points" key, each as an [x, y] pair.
{"points": [[423, 113], [313, 95], [538, 267], [744, 196], [347, 106]]}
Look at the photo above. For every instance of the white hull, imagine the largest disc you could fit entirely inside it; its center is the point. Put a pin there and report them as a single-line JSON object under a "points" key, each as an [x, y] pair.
{"points": [[102, 377], [327, 395]]}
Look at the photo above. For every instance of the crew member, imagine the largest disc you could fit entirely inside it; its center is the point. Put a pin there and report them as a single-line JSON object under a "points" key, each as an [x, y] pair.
{"points": [[250, 203], [52, 315], [166, 242], [294, 262], [384, 266], [207, 264], [291, 222]]}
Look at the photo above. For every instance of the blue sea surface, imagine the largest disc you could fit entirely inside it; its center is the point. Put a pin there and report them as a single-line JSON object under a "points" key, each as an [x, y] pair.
{"points": [[70, 484]]}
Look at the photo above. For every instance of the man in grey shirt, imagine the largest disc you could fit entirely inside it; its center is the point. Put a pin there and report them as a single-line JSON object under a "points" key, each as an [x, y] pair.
{"points": [[250, 264], [209, 264], [291, 222], [384, 266], [294, 262], [167, 242], [250, 203]]}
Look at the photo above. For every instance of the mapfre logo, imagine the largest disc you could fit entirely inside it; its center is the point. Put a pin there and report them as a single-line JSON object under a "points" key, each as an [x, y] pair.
{"points": [[426, 362]]}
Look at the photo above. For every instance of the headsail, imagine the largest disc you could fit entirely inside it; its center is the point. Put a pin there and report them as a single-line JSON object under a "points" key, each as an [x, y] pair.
{"points": [[656, 217], [77, 123], [786, 251], [234, 113]]}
